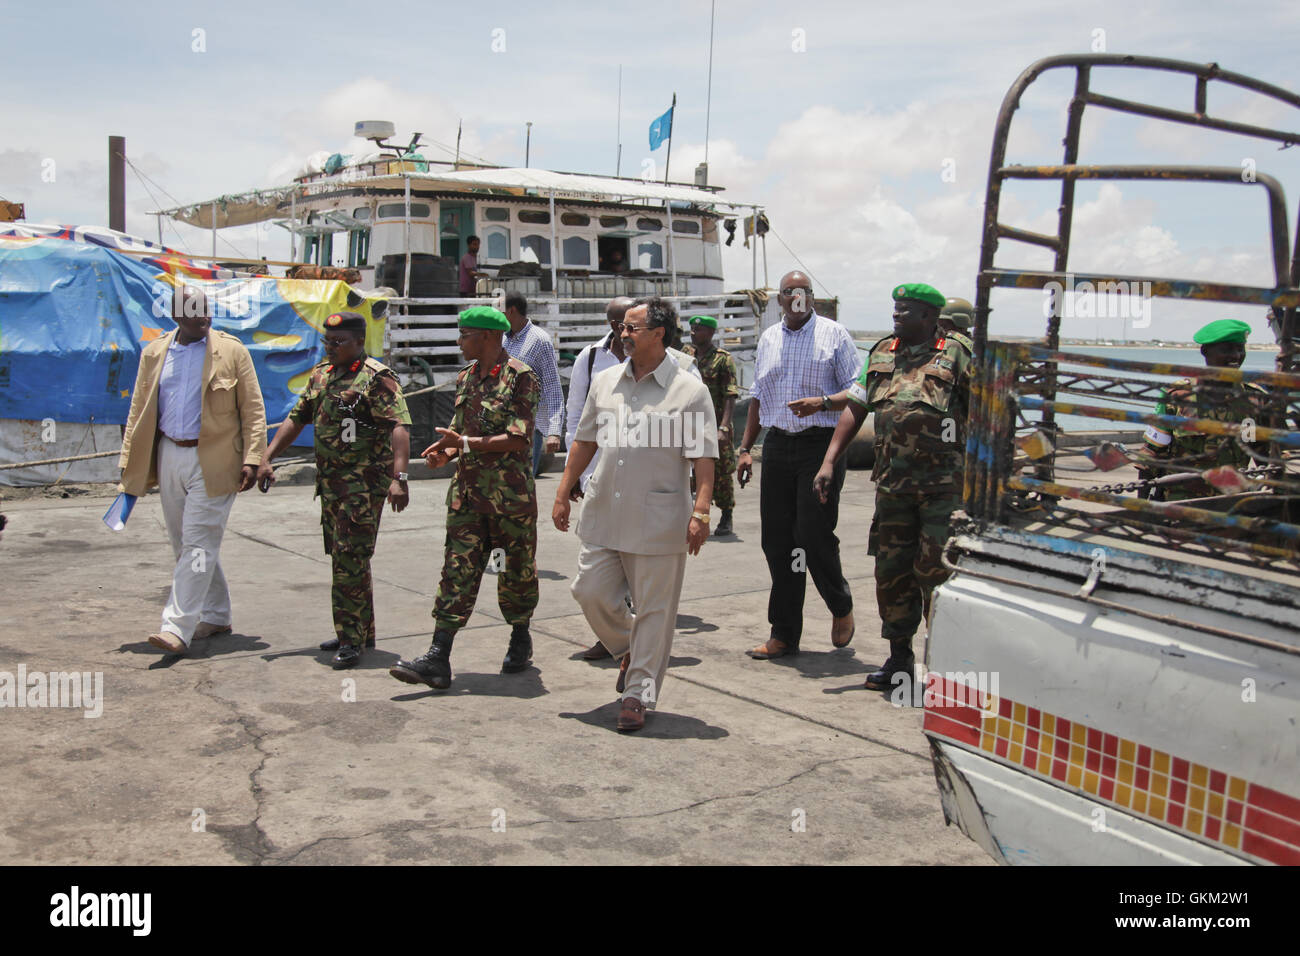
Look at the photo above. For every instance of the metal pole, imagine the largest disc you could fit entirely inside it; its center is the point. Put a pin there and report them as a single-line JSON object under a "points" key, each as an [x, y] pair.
{"points": [[158, 216], [213, 207], [528, 143], [766, 284], [672, 112], [293, 221], [117, 183], [618, 124], [708, 98], [456, 166], [753, 247], [555, 252], [406, 278], [672, 260]]}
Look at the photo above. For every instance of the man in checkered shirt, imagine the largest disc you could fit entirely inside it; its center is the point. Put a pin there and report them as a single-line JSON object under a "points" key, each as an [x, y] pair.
{"points": [[533, 347], [805, 354]]}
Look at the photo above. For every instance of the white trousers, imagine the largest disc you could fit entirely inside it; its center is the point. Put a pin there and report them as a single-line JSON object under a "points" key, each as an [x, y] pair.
{"points": [[604, 578], [195, 524]]}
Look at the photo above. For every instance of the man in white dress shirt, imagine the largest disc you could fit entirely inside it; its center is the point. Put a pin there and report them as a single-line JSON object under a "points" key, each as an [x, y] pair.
{"points": [[653, 421], [197, 428], [803, 354]]}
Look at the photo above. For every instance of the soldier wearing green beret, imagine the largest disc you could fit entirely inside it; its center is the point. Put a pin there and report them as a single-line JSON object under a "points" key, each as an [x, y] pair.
{"points": [[363, 444], [1223, 344], [917, 381], [718, 372], [491, 503]]}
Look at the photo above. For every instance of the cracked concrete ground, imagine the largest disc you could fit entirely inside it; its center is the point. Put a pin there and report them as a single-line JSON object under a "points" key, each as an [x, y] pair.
{"points": [[246, 750]]}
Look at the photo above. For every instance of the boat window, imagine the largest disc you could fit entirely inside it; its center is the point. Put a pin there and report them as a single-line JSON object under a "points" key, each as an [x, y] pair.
{"points": [[650, 255], [577, 251], [537, 217], [358, 247], [574, 219], [541, 246], [361, 212], [397, 210], [498, 242], [613, 222], [650, 225], [687, 226], [496, 214]]}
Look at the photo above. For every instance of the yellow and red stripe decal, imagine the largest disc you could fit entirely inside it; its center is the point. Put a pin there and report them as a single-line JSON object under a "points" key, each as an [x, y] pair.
{"points": [[1169, 790]]}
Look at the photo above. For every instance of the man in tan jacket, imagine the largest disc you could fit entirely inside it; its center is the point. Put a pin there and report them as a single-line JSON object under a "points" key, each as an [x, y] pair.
{"points": [[197, 430]]}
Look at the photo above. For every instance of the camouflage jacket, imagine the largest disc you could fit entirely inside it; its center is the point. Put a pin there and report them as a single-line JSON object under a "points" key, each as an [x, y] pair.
{"points": [[503, 403], [1195, 451], [718, 372], [921, 397], [353, 411]]}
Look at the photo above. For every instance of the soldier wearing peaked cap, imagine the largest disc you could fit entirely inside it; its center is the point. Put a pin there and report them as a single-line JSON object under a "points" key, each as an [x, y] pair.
{"points": [[917, 381], [1223, 344], [363, 444], [491, 502], [718, 372]]}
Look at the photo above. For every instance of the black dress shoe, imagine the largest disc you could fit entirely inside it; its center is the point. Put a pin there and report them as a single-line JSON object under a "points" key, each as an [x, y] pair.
{"points": [[724, 525], [347, 656], [433, 667], [596, 652], [333, 644], [520, 653]]}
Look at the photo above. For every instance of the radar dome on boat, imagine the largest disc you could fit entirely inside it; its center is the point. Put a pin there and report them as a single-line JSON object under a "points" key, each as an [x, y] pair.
{"points": [[374, 129]]}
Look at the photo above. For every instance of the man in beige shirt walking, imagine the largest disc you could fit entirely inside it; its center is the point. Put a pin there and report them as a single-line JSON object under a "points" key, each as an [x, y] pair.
{"points": [[652, 421]]}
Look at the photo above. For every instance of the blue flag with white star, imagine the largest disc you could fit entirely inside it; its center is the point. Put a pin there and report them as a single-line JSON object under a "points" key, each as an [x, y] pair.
{"points": [[661, 129]]}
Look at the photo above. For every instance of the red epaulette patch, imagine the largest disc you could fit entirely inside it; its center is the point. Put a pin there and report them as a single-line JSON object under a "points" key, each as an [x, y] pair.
{"points": [[894, 344]]}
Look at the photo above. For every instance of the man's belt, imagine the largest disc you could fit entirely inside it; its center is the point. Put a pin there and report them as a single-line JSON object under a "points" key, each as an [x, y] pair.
{"points": [[817, 431], [187, 443]]}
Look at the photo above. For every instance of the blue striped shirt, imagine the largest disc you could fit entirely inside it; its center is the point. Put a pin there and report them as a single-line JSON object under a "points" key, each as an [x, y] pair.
{"points": [[819, 359], [533, 347]]}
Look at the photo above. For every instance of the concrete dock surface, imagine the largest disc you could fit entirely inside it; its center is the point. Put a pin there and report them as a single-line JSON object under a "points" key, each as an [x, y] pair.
{"points": [[251, 749]]}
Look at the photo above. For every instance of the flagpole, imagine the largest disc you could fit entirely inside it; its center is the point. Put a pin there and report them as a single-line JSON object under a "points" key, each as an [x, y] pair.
{"points": [[618, 135], [672, 111], [708, 100]]}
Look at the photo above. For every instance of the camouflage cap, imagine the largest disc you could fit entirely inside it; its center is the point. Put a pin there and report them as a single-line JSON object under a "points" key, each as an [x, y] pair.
{"points": [[708, 320], [484, 317], [921, 293], [346, 322], [1222, 330]]}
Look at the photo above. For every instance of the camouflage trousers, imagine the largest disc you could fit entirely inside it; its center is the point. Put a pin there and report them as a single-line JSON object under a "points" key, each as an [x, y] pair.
{"points": [[724, 474], [350, 525], [478, 542], [908, 534]]}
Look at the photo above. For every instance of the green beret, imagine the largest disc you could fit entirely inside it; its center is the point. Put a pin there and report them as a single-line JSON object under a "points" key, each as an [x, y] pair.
{"points": [[1223, 330], [708, 320], [346, 322], [921, 293], [484, 317]]}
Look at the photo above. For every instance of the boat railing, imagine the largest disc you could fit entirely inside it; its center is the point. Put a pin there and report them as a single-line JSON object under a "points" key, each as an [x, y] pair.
{"points": [[415, 342]]}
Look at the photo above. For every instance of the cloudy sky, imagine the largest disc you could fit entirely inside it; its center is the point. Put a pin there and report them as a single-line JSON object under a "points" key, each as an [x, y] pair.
{"points": [[863, 128]]}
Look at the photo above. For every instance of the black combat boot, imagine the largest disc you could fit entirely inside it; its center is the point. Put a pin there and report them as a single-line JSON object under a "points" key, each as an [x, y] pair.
{"points": [[348, 656], [520, 653], [724, 525], [901, 660], [433, 667], [333, 644]]}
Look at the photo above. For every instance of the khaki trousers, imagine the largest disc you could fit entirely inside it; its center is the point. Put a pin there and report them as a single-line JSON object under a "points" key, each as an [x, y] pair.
{"points": [[604, 577]]}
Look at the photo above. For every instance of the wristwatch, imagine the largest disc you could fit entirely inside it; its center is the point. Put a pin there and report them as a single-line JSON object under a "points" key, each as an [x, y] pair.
{"points": [[703, 519], [826, 403], [401, 476]]}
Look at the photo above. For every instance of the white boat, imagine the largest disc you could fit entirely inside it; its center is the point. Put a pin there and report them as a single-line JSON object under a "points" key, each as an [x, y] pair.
{"points": [[398, 208], [1114, 680]]}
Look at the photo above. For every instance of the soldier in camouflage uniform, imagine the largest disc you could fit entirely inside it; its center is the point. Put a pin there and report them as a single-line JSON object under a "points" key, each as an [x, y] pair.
{"points": [[491, 503], [718, 372], [363, 444], [917, 381], [1223, 344]]}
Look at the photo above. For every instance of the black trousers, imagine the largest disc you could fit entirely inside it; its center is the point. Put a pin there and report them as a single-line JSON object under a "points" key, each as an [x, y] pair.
{"points": [[798, 530]]}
